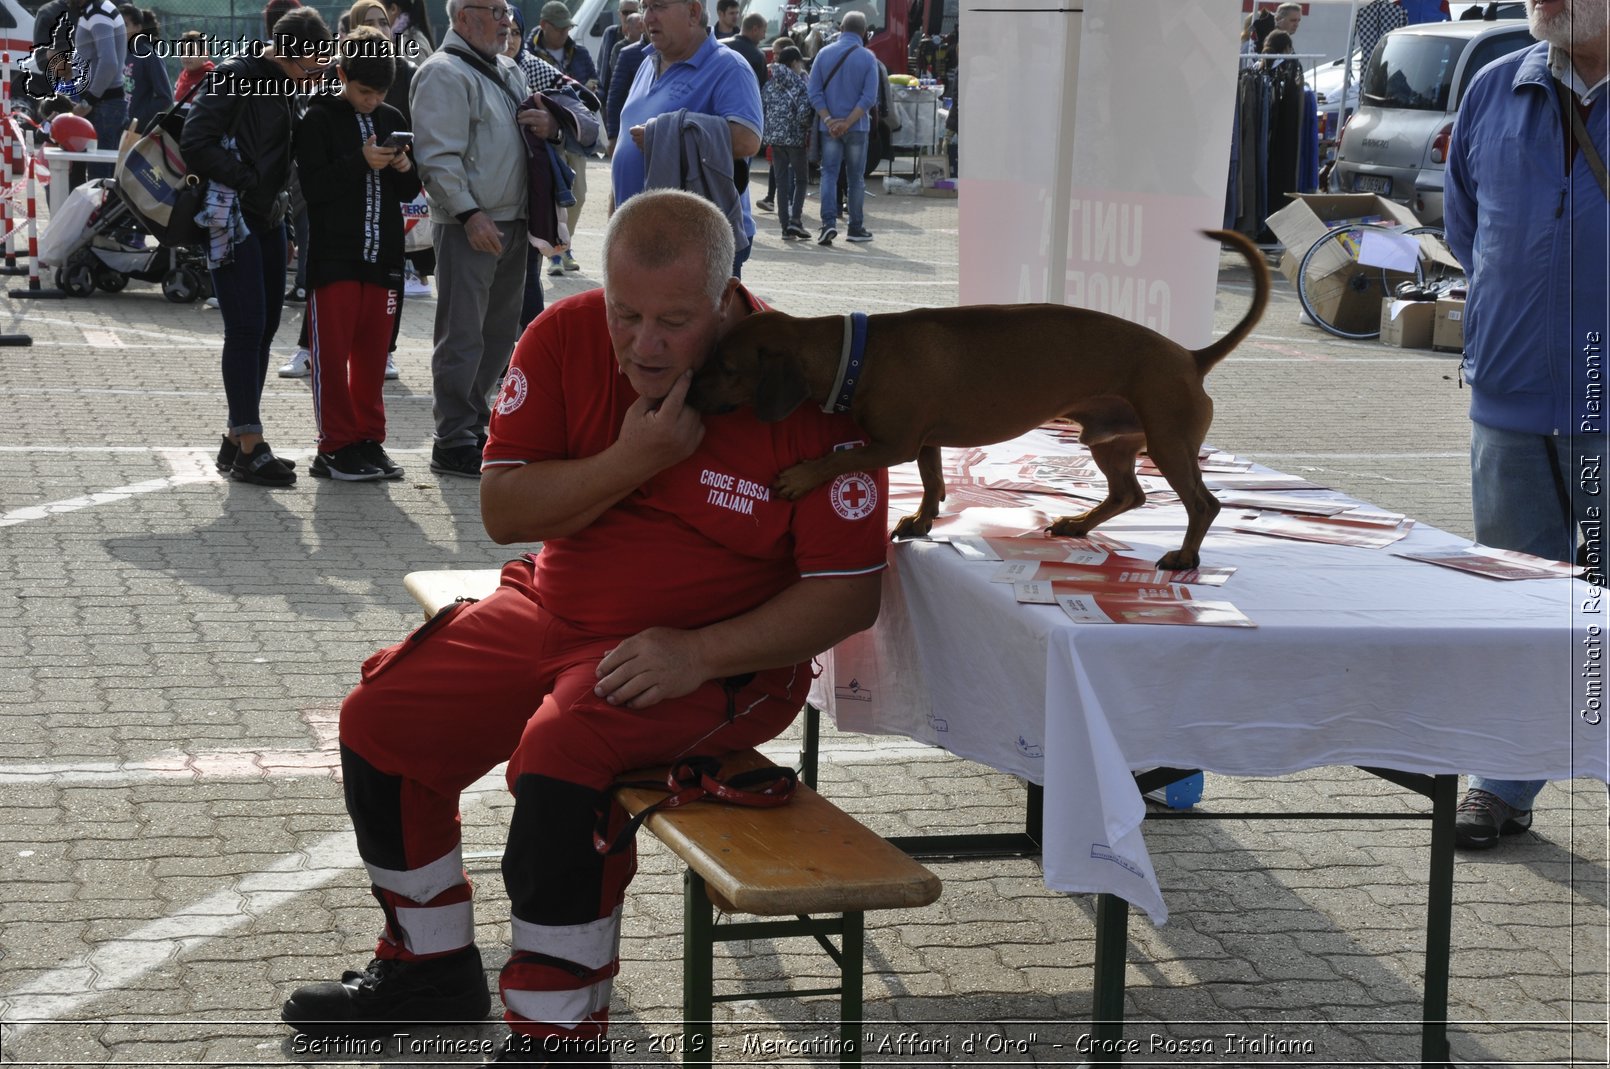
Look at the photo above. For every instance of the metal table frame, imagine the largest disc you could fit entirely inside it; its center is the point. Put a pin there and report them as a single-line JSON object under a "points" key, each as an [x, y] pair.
{"points": [[1112, 911]]}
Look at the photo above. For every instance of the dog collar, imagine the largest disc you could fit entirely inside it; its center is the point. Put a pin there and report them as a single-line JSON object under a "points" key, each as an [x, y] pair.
{"points": [[851, 357]]}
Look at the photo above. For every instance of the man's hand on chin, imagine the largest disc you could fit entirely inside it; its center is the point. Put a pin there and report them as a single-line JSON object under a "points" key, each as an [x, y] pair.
{"points": [[663, 431]]}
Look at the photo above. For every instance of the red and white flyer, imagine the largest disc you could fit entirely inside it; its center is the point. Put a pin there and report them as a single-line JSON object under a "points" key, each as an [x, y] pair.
{"points": [[1046, 591], [1113, 570], [1368, 530], [1496, 563], [1118, 609], [1093, 548]]}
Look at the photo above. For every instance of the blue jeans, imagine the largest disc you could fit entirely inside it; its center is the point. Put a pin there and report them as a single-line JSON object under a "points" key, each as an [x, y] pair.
{"points": [[109, 118], [251, 293], [850, 152], [532, 302], [1527, 496]]}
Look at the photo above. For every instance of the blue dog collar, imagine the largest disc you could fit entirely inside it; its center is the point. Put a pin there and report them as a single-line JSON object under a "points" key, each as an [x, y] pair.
{"points": [[851, 359]]}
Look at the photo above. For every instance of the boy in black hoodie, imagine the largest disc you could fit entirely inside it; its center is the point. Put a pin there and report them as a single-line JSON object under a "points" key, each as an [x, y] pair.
{"points": [[354, 188]]}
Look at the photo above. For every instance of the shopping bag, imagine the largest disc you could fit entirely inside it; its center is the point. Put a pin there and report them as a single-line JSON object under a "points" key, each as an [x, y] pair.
{"points": [[158, 188], [416, 225], [68, 223]]}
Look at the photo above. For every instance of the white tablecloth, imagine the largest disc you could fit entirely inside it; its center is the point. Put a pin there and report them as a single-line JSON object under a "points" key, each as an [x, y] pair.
{"points": [[1358, 658]]}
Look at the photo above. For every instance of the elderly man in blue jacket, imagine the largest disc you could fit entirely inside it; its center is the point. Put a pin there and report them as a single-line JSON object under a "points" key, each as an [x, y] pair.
{"points": [[844, 87], [1525, 209]]}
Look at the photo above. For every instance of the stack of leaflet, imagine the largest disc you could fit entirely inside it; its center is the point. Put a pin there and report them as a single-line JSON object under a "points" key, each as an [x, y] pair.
{"points": [[1094, 583]]}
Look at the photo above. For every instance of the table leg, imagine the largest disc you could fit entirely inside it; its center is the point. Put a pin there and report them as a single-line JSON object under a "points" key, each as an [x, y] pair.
{"points": [[698, 972], [1439, 924], [1107, 1008]]}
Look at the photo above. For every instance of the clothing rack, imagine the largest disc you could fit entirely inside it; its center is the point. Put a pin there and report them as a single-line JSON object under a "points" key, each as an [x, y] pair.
{"points": [[1275, 146]]}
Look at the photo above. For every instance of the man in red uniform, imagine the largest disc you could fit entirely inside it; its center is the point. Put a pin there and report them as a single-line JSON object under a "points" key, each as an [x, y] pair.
{"points": [[673, 610]]}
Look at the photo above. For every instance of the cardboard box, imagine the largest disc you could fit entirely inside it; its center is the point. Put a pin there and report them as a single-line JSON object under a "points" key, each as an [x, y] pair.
{"points": [[1448, 329], [945, 187], [1411, 327], [932, 170], [1342, 291], [1307, 218]]}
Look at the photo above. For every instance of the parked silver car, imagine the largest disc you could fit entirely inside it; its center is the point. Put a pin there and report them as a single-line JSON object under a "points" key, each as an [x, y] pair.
{"points": [[1396, 143]]}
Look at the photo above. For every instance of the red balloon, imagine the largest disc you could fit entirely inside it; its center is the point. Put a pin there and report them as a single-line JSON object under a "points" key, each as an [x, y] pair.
{"points": [[72, 132]]}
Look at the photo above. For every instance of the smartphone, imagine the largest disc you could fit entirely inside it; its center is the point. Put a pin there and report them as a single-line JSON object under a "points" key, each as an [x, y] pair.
{"points": [[399, 140]]}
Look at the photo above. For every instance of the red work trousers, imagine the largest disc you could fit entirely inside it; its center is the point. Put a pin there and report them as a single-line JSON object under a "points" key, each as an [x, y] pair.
{"points": [[351, 332], [506, 679]]}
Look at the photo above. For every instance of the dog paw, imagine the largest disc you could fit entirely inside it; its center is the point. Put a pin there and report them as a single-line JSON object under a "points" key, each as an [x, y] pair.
{"points": [[916, 526], [1069, 527], [794, 483], [1178, 561]]}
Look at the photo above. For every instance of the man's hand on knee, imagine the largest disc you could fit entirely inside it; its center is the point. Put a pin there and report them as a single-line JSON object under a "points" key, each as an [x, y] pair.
{"points": [[650, 667]]}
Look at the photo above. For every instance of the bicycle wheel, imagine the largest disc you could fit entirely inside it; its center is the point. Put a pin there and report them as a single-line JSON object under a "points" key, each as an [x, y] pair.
{"points": [[1341, 295]]}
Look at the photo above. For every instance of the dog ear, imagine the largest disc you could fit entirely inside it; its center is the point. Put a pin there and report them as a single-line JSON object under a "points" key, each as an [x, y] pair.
{"points": [[781, 387]]}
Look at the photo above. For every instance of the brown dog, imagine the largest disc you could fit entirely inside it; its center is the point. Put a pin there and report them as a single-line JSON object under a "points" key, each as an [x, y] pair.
{"points": [[976, 375]]}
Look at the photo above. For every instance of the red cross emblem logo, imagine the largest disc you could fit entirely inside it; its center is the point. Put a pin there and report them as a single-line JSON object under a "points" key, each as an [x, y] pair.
{"points": [[854, 496]]}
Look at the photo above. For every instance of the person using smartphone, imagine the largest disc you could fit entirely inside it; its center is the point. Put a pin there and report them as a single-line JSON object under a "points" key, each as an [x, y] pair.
{"points": [[356, 175]]}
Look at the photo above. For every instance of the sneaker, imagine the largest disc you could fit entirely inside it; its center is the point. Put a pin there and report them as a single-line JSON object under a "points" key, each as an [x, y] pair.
{"points": [[349, 464], [391, 367], [374, 454], [389, 994], [556, 266], [463, 460], [859, 233], [261, 468], [570, 263], [1483, 817], [296, 295], [766, 205], [298, 366], [797, 231], [827, 235], [413, 285], [228, 451]]}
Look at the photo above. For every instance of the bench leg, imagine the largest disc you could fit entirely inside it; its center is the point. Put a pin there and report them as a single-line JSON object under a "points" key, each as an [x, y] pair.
{"points": [[852, 953], [698, 972]]}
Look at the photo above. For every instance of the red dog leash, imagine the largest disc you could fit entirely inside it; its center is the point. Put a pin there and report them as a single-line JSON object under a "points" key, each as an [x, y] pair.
{"points": [[699, 778]]}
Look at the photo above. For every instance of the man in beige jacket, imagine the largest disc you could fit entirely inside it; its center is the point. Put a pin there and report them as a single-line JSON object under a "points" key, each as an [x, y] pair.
{"points": [[471, 156]]}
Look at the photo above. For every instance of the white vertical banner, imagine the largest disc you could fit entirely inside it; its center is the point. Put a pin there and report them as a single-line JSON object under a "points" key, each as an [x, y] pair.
{"points": [[1115, 115]]}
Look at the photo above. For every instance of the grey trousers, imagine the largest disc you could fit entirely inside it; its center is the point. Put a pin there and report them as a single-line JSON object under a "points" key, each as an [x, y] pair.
{"points": [[477, 323]]}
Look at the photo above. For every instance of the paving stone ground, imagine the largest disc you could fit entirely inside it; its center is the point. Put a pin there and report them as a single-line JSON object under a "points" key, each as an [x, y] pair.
{"points": [[173, 648]]}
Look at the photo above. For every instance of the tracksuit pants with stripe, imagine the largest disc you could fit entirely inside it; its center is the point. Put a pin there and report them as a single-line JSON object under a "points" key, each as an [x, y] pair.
{"points": [[505, 679], [351, 326]]}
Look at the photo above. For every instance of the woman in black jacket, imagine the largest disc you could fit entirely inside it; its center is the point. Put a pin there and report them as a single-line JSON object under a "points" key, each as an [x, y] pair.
{"points": [[238, 137]]}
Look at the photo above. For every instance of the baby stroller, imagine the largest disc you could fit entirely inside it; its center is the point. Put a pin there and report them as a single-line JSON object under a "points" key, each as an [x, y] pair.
{"points": [[113, 247]]}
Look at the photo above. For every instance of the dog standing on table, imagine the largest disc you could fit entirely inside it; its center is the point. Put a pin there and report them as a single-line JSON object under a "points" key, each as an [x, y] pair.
{"points": [[981, 374]]}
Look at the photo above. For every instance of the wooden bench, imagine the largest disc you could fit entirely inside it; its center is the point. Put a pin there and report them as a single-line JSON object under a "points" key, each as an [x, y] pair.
{"points": [[809, 866]]}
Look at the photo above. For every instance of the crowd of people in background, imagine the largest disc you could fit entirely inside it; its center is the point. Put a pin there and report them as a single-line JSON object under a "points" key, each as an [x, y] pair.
{"points": [[483, 103]]}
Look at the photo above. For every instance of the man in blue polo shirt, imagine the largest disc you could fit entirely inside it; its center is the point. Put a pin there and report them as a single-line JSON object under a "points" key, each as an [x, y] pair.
{"points": [[844, 86], [686, 68]]}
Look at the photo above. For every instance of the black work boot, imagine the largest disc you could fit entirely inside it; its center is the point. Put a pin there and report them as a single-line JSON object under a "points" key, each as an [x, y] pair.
{"points": [[447, 990]]}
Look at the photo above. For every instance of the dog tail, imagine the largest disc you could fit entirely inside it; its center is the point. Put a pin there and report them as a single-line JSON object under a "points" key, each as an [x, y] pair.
{"points": [[1212, 354]]}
